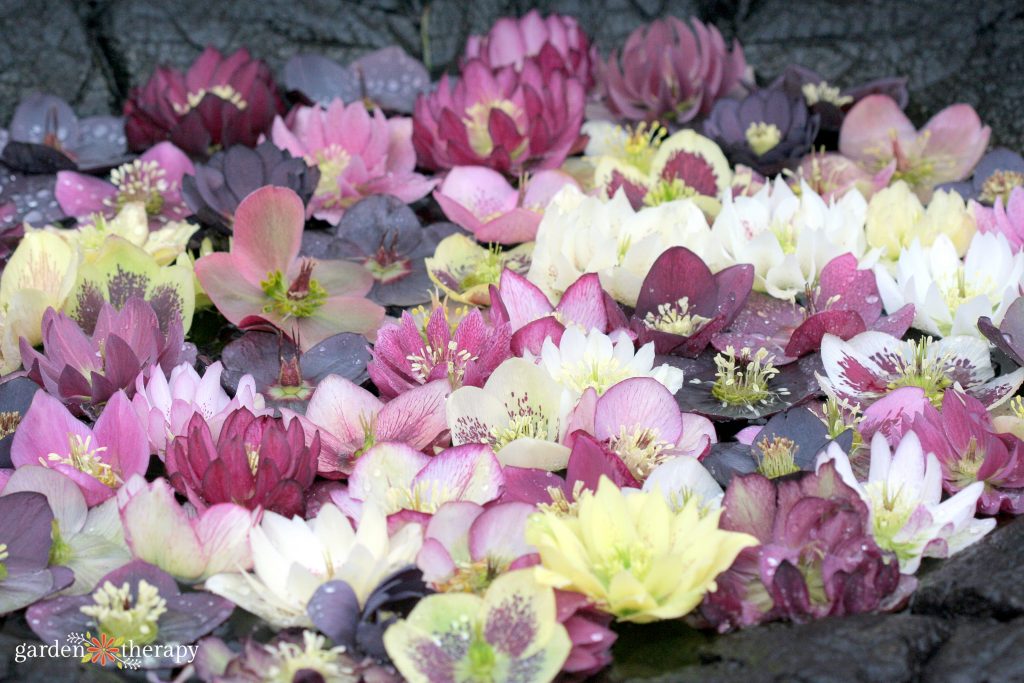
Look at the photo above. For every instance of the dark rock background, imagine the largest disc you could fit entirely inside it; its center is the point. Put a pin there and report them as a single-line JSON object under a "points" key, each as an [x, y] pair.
{"points": [[93, 51]]}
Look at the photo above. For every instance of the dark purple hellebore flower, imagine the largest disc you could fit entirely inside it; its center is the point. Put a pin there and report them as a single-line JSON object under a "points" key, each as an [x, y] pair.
{"points": [[995, 176], [230, 175], [767, 130], [789, 443], [25, 574], [682, 303], [817, 557], [16, 395], [162, 613], [286, 376], [80, 368], [845, 303], [384, 235], [1008, 337]]}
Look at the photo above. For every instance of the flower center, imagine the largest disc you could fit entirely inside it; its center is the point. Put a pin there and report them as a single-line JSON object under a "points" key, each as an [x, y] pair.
{"points": [[958, 290], [666, 190], [786, 233], [763, 136], [84, 458], [964, 469], [9, 421], [3, 558], [291, 660], [778, 457], [115, 615], [890, 512], [252, 455], [1017, 407], [486, 271], [999, 185], [930, 374], [473, 577], [743, 384], [60, 551], [223, 91], [600, 373], [675, 318], [641, 450], [387, 266], [642, 141], [823, 92], [562, 505], [301, 299], [456, 359], [477, 121], [332, 162], [424, 496], [480, 662], [527, 426], [139, 181], [839, 415]]}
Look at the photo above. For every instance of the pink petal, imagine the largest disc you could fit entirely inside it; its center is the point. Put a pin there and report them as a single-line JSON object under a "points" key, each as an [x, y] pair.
{"points": [[416, 417], [523, 300], [583, 303], [267, 232], [500, 532], [638, 403], [956, 141], [469, 472], [80, 195]]}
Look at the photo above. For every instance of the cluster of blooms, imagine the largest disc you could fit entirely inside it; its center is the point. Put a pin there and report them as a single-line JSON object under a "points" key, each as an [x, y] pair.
{"points": [[719, 352]]}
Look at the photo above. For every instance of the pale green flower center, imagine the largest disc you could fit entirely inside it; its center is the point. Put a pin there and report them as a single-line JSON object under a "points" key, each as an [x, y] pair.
{"points": [[115, 615], [763, 137], [478, 129], [964, 470], [891, 510], [924, 372], [778, 457], [999, 185], [641, 450], [312, 655], [60, 551], [743, 384], [484, 271], [675, 318], [223, 91], [474, 577], [425, 496], [139, 181], [3, 558], [823, 92], [332, 162], [301, 299], [665, 191], [84, 457], [957, 289], [642, 141], [528, 425], [786, 233]]}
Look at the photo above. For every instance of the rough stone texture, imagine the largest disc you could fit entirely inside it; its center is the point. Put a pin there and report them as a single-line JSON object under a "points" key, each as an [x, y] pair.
{"points": [[980, 651]]}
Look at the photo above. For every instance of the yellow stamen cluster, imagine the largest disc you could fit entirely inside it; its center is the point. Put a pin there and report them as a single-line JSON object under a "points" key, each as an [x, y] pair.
{"points": [[115, 615], [823, 92], [223, 91], [312, 656], [763, 137], [84, 458], [778, 457], [139, 181], [675, 318], [640, 450], [744, 384], [332, 162], [999, 185], [930, 374]]}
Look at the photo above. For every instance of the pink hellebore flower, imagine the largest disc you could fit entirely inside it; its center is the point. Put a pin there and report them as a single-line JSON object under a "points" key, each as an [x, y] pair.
{"points": [[877, 134], [1007, 219], [153, 179], [99, 459], [165, 407], [262, 279], [893, 415], [480, 200], [351, 420], [189, 546], [358, 154]]}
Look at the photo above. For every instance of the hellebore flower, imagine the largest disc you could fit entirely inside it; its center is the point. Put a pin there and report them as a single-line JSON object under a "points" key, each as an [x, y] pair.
{"points": [[1008, 336], [350, 420], [461, 347], [25, 545], [293, 557], [1006, 218], [483, 202], [384, 235], [506, 118], [153, 179], [166, 406], [221, 101], [98, 459], [896, 219], [995, 177], [670, 71], [816, 556], [844, 302], [768, 130], [681, 478], [788, 443], [262, 280], [213, 190], [191, 546], [832, 175], [256, 462], [556, 39], [16, 394], [581, 234], [789, 238], [519, 412], [89, 542], [873, 364], [533, 319], [876, 134], [970, 450], [357, 154], [653, 169], [511, 633], [284, 377], [464, 270], [902, 493], [632, 555], [136, 603], [83, 370], [682, 304], [950, 295]]}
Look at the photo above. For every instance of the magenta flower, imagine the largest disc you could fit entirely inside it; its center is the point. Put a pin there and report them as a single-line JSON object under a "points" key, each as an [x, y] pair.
{"points": [[844, 303], [893, 415], [262, 279], [221, 101], [256, 461], [464, 350], [671, 72], [533, 319], [154, 179], [506, 119], [82, 369], [483, 202], [877, 134], [98, 459], [357, 154], [556, 39], [1006, 219], [682, 303]]}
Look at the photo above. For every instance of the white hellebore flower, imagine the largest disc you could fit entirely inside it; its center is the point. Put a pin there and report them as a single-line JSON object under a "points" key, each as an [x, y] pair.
{"points": [[902, 493], [949, 295], [789, 238], [293, 557], [581, 234], [682, 478]]}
